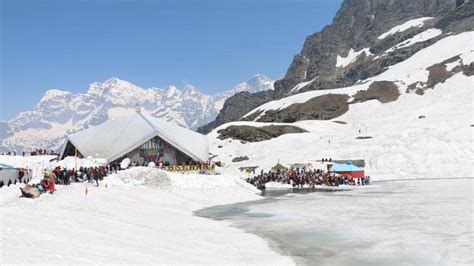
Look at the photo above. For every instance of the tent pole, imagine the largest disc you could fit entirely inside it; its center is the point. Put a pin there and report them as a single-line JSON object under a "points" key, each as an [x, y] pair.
{"points": [[75, 158]]}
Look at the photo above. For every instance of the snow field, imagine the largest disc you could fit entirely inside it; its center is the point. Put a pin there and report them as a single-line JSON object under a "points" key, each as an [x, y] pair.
{"points": [[131, 221]]}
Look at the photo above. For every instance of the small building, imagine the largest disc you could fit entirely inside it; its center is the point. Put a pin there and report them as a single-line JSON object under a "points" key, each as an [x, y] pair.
{"points": [[347, 169], [12, 175], [141, 138]]}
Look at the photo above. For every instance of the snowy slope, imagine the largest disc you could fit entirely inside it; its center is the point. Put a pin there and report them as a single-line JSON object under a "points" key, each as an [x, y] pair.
{"points": [[413, 137], [130, 222], [61, 112]]}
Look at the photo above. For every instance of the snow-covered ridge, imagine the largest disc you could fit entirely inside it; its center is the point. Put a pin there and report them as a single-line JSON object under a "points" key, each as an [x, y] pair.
{"points": [[421, 37], [351, 57], [407, 72], [302, 85], [61, 112], [419, 22]]}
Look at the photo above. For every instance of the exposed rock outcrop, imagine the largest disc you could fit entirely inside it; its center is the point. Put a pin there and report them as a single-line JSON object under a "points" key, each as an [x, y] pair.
{"points": [[256, 134], [383, 91], [319, 108], [237, 106], [240, 159]]}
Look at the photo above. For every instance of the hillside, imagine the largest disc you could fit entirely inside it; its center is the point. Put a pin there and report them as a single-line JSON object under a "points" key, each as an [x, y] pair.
{"points": [[419, 125]]}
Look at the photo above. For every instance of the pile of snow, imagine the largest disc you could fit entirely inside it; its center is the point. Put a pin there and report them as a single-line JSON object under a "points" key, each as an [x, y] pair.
{"points": [[139, 176], [419, 22]]}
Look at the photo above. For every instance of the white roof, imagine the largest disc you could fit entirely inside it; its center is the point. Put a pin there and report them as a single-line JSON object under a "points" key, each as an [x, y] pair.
{"points": [[114, 138]]}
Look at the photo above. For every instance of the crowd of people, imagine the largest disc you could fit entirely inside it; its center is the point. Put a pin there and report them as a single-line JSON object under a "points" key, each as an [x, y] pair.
{"points": [[35, 152], [65, 176], [298, 178], [83, 174]]}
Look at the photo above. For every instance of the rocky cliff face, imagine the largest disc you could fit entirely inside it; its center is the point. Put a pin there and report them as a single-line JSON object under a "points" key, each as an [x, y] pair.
{"points": [[365, 37]]}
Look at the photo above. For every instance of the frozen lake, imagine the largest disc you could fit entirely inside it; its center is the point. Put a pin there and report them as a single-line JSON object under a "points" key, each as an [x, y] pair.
{"points": [[423, 222]]}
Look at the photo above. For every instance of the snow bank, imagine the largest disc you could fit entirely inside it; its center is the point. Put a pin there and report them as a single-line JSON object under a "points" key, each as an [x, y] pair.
{"points": [[419, 22], [143, 216]]}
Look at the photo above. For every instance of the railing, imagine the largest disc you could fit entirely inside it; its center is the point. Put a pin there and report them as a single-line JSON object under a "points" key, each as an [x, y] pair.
{"points": [[187, 168]]}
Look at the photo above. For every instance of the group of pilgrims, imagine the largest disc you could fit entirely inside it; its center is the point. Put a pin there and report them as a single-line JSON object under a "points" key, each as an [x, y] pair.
{"points": [[63, 176], [300, 177]]}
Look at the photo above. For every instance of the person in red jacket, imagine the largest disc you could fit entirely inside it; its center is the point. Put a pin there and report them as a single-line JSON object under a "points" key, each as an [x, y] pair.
{"points": [[50, 186]]}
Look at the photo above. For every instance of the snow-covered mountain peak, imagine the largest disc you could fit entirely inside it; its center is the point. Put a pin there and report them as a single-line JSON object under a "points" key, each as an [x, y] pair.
{"points": [[256, 83], [172, 91], [114, 86], [190, 90], [60, 112], [54, 93]]}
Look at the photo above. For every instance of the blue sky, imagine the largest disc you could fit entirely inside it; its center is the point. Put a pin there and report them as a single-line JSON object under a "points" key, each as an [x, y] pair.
{"points": [[211, 44]]}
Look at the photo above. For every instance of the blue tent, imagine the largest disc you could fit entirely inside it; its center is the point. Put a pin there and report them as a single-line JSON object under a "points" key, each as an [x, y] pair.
{"points": [[347, 167]]}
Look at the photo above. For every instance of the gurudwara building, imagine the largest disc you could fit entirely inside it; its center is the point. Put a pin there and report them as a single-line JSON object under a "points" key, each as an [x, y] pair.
{"points": [[141, 138]]}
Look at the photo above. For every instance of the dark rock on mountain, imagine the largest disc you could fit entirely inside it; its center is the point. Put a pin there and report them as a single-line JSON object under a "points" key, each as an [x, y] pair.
{"points": [[438, 73], [460, 20], [256, 134], [240, 159], [356, 28], [383, 91], [364, 137], [319, 108], [237, 106]]}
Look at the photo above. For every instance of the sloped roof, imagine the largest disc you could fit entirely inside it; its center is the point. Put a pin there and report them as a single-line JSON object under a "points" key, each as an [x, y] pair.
{"points": [[347, 167], [115, 138]]}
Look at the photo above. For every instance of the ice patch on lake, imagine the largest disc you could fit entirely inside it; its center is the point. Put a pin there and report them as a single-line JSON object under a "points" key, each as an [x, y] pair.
{"points": [[416, 222]]}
